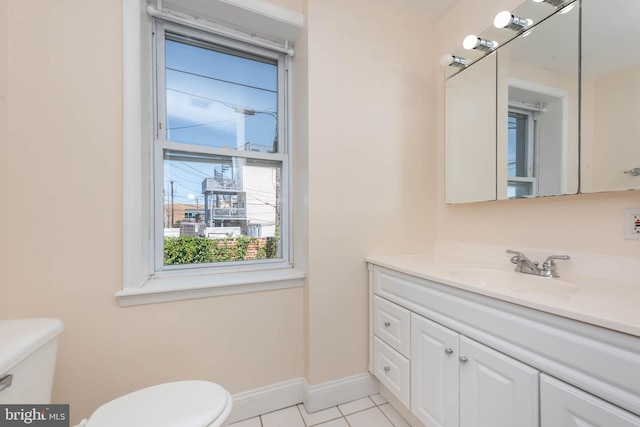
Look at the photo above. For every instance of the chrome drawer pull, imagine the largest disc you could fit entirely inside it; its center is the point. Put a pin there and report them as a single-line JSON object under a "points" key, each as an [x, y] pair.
{"points": [[387, 324], [387, 369], [449, 351], [463, 359]]}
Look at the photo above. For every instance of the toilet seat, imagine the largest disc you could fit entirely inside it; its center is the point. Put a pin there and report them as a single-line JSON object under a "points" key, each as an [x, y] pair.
{"points": [[176, 404]]}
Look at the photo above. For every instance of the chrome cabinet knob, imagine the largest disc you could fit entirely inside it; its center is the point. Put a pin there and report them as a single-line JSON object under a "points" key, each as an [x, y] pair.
{"points": [[463, 359], [387, 369], [387, 324], [449, 351]]}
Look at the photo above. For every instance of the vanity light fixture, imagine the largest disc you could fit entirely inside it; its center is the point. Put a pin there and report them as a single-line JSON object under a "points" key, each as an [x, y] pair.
{"points": [[453, 61], [554, 3], [505, 19], [474, 42]]}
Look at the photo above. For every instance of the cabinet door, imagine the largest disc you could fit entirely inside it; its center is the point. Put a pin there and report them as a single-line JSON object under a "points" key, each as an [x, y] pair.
{"points": [[434, 373], [562, 405], [496, 390]]}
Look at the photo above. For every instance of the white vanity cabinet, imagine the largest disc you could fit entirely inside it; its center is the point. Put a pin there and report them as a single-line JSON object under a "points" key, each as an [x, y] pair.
{"points": [[455, 358]]}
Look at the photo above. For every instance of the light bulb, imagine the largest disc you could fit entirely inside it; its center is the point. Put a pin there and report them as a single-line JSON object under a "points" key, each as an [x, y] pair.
{"points": [[502, 19], [470, 42], [505, 19], [474, 42], [446, 59], [454, 61]]}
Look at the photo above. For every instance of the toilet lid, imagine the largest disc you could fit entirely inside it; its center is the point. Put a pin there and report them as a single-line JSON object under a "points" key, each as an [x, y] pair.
{"points": [[176, 404]]}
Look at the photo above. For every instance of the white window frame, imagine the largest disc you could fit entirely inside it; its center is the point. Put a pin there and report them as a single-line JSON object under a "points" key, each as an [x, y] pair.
{"points": [[142, 284]]}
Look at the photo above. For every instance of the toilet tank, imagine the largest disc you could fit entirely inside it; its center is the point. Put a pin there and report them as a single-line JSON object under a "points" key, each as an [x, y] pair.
{"points": [[28, 350]]}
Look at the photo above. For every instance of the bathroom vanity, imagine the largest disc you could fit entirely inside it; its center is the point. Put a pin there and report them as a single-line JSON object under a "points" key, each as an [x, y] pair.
{"points": [[460, 343]]}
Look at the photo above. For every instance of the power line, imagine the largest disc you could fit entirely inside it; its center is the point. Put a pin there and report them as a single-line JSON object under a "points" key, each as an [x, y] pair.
{"points": [[221, 80]]}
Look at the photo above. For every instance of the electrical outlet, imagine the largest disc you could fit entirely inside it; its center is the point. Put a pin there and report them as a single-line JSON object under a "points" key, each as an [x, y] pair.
{"points": [[632, 224]]}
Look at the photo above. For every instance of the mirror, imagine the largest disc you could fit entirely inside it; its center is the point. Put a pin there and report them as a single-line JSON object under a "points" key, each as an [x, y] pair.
{"points": [[471, 134], [538, 99], [610, 140], [534, 111]]}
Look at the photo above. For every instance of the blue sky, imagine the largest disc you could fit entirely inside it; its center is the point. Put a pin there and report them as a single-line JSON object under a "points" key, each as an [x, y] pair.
{"points": [[211, 96]]}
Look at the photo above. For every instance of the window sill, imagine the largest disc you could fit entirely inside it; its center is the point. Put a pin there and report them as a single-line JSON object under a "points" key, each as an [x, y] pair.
{"points": [[183, 287]]}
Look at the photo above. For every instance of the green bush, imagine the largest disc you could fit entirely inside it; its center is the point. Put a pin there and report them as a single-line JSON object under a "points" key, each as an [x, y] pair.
{"points": [[194, 249], [187, 250]]}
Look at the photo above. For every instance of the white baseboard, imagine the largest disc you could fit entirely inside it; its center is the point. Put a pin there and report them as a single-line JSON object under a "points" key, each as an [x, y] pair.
{"points": [[315, 398], [337, 392], [267, 399]]}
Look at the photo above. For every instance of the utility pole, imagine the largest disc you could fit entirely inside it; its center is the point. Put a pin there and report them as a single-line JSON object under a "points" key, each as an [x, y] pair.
{"points": [[171, 204]]}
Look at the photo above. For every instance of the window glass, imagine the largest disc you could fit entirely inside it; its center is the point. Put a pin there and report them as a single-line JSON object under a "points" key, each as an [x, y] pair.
{"points": [[219, 99], [237, 201], [518, 147], [521, 154]]}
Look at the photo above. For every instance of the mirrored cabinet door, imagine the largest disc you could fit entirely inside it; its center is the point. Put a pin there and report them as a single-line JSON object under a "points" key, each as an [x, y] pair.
{"points": [[610, 135], [538, 104], [471, 133]]}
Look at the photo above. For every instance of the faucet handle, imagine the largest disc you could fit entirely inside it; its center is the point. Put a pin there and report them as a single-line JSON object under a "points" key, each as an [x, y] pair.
{"points": [[512, 252], [551, 258], [549, 268], [517, 256]]}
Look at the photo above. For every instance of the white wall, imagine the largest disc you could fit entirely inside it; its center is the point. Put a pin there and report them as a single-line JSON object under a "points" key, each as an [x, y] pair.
{"points": [[590, 223], [371, 165], [5, 246]]}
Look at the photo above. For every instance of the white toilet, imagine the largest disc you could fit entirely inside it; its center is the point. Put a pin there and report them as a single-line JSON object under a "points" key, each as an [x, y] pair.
{"points": [[27, 362]]}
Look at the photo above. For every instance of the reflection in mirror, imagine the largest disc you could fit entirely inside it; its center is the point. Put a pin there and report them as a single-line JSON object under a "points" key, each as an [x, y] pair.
{"points": [[538, 98], [471, 133], [610, 140]]}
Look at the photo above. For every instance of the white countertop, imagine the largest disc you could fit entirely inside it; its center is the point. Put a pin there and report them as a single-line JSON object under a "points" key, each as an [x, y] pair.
{"points": [[611, 304]]}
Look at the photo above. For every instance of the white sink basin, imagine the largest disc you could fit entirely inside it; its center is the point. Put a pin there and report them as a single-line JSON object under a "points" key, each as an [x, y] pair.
{"points": [[512, 281]]}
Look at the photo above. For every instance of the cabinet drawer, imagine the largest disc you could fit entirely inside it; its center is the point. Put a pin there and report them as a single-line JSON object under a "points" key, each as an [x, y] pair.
{"points": [[392, 369], [391, 323], [562, 405]]}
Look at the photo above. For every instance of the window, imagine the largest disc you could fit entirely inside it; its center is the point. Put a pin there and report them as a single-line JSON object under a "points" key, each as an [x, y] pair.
{"points": [[206, 170], [522, 180], [218, 138]]}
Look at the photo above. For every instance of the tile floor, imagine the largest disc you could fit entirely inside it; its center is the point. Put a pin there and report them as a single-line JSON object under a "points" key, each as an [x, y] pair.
{"points": [[372, 411]]}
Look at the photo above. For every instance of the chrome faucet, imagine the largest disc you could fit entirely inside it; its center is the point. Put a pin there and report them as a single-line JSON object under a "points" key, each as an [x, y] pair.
{"points": [[525, 265]]}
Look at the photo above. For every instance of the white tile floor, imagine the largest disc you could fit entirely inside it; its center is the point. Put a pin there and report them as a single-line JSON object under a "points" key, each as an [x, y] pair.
{"points": [[372, 411]]}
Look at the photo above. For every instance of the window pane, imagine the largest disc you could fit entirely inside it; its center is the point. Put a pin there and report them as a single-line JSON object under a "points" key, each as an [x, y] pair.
{"points": [[219, 99], [517, 189], [518, 145], [219, 208]]}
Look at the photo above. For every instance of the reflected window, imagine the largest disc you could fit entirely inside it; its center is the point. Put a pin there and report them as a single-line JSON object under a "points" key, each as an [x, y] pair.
{"points": [[521, 157]]}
